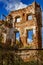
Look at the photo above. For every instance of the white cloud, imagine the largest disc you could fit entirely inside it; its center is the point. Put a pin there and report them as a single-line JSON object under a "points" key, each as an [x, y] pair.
{"points": [[10, 1], [16, 6], [13, 5], [29, 40]]}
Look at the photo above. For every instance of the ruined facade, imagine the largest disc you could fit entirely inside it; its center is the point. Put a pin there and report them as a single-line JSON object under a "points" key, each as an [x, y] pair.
{"points": [[24, 24], [23, 21]]}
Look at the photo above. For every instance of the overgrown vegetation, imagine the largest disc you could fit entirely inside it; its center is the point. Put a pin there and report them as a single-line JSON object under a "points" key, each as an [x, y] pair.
{"points": [[9, 58]]}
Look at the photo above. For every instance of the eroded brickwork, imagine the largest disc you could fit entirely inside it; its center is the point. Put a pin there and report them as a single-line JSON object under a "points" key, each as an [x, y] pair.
{"points": [[25, 24], [11, 25]]}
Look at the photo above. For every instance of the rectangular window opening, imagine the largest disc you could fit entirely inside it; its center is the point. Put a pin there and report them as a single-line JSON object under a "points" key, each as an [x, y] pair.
{"points": [[18, 19], [17, 37], [29, 17], [29, 36]]}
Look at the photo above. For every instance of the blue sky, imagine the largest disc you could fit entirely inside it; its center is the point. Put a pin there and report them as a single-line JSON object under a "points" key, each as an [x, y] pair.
{"points": [[9, 5]]}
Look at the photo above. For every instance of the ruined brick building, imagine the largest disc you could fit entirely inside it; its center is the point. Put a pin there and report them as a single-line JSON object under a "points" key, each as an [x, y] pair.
{"points": [[23, 21], [22, 27]]}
